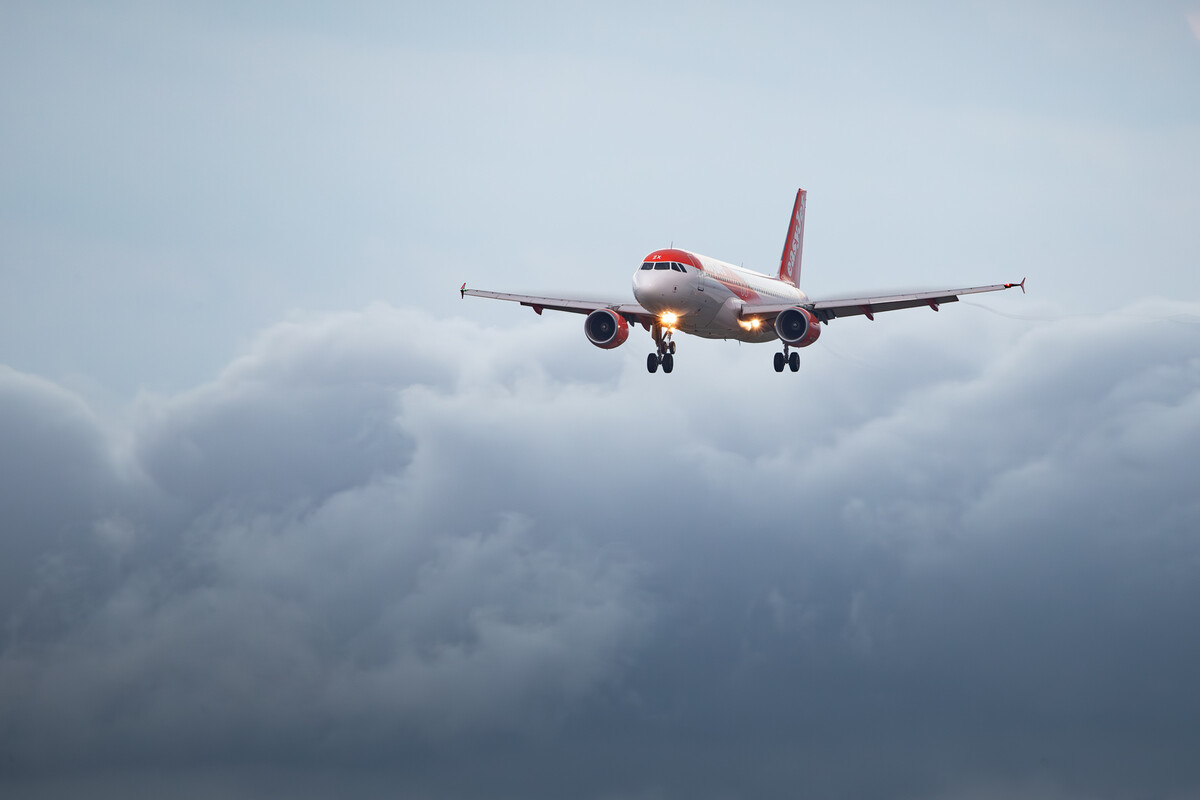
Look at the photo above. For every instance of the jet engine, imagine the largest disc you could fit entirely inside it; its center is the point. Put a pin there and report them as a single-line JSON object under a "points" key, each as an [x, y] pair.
{"points": [[606, 328], [797, 327]]}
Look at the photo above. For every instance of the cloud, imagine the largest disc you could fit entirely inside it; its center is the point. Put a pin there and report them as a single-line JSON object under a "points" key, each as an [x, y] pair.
{"points": [[381, 545], [57, 477]]}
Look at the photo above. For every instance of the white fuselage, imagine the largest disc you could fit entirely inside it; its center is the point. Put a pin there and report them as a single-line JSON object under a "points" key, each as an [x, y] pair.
{"points": [[709, 296]]}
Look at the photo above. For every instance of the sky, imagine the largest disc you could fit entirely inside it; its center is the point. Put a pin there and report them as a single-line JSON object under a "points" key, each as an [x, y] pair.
{"points": [[281, 512]]}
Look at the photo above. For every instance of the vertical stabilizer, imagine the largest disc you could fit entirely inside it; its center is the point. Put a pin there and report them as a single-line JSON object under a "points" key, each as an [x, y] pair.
{"points": [[793, 247]]}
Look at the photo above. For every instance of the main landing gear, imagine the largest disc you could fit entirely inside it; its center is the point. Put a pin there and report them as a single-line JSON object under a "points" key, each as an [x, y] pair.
{"points": [[665, 350], [783, 359]]}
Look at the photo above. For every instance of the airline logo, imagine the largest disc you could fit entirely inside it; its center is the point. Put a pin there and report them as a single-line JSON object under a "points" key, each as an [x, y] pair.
{"points": [[789, 269]]}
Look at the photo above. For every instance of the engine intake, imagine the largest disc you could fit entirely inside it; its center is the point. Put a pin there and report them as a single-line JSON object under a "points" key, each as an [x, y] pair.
{"points": [[606, 328], [797, 327]]}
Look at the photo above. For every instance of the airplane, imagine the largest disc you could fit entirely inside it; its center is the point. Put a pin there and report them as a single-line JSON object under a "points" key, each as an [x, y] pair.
{"points": [[677, 290]]}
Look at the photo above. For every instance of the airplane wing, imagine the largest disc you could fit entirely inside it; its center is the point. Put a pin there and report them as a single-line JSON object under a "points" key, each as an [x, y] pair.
{"points": [[631, 311], [826, 310]]}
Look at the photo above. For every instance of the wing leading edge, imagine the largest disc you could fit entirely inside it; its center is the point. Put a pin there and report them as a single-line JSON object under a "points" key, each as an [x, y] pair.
{"points": [[632, 312], [826, 310]]}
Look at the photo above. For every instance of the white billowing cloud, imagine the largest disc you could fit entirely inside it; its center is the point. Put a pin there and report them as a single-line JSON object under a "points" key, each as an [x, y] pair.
{"points": [[317, 402], [291, 563], [381, 536]]}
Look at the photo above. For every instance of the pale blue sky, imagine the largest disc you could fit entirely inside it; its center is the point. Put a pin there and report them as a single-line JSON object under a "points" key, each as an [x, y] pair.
{"points": [[176, 179]]}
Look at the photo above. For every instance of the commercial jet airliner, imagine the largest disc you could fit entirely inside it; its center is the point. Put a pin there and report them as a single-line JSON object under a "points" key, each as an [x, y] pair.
{"points": [[677, 290]]}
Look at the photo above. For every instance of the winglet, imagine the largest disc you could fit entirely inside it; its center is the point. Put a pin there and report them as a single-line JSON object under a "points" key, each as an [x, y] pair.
{"points": [[1006, 286], [462, 290]]}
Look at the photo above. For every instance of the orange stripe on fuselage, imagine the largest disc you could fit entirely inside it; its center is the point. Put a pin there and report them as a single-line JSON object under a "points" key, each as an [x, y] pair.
{"points": [[736, 280], [672, 254]]}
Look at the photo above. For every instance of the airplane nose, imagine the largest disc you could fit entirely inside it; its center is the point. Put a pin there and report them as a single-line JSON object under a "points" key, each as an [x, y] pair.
{"points": [[659, 290]]}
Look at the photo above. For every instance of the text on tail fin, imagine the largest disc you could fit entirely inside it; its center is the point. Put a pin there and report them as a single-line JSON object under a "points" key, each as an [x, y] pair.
{"points": [[793, 246]]}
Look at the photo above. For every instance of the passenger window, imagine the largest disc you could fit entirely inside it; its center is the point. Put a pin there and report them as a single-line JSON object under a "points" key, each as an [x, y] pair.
{"points": [[647, 265], [662, 265]]}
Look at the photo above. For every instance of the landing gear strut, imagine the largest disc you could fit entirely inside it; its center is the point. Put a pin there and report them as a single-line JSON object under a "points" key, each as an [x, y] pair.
{"points": [[783, 359], [664, 350]]}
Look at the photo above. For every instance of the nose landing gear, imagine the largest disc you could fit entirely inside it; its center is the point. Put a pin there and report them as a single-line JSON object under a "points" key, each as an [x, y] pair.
{"points": [[783, 359], [664, 350]]}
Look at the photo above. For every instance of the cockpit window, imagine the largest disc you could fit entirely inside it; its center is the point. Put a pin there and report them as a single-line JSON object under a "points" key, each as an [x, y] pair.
{"points": [[677, 267], [647, 265], [663, 265]]}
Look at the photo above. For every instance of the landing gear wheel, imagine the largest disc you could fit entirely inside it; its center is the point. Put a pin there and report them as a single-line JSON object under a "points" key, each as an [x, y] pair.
{"points": [[652, 363], [668, 362], [794, 362], [779, 362], [671, 348]]}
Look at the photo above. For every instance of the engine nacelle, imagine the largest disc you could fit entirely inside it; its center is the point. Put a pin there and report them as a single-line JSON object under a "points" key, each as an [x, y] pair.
{"points": [[606, 328], [797, 327]]}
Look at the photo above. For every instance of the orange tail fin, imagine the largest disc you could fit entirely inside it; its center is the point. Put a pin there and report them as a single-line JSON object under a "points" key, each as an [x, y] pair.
{"points": [[793, 248]]}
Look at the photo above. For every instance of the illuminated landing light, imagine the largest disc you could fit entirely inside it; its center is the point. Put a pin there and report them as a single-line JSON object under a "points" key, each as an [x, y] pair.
{"points": [[750, 325], [668, 319]]}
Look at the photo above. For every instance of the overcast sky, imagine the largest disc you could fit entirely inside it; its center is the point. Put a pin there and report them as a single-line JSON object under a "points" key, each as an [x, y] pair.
{"points": [[280, 512]]}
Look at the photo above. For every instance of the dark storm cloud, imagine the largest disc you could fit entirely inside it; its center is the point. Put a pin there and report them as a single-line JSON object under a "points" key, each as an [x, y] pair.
{"points": [[400, 555], [58, 475]]}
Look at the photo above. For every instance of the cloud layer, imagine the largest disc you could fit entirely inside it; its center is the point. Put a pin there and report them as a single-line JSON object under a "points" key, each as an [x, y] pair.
{"points": [[956, 555]]}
